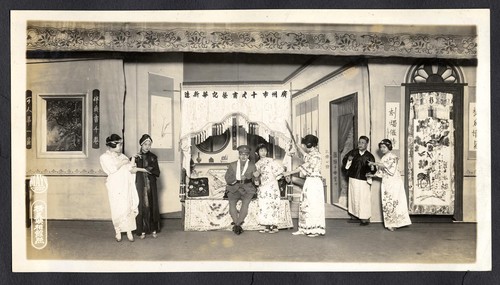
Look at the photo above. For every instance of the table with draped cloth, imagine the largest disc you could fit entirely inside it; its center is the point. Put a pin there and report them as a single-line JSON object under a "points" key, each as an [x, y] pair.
{"points": [[213, 214]]}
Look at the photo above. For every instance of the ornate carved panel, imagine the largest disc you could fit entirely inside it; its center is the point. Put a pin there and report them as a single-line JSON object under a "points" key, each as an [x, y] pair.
{"points": [[258, 38]]}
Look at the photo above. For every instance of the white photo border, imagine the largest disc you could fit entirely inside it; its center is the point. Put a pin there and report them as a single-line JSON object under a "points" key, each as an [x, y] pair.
{"points": [[477, 17]]}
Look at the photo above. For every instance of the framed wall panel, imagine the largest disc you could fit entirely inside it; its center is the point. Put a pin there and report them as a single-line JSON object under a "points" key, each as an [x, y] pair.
{"points": [[161, 115], [62, 131]]}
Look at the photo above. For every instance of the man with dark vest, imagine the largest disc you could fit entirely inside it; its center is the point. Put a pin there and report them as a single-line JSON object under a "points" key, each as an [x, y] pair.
{"points": [[240, 186], [359, 192]]}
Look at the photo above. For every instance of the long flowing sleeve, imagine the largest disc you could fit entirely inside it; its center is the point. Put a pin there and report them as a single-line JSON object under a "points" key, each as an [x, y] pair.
{"points": [[372, 159], [108, 164], [391, 163], [345, 163], [277, 168], [154, 168], [312, 163]]}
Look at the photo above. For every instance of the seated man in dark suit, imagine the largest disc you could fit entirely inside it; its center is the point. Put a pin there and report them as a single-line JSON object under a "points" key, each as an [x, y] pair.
{"points": [[240, 186]]}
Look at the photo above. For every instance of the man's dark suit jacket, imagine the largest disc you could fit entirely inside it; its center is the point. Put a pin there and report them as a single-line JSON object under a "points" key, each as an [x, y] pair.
{"points": [[230, 177]]}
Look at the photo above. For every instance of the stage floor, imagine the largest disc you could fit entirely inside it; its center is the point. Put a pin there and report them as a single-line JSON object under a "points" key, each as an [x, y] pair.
{"points": [[421, 243]]}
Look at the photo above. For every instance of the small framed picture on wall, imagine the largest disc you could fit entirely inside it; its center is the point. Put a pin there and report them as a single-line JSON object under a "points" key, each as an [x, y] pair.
{"points": [[63, 126]]}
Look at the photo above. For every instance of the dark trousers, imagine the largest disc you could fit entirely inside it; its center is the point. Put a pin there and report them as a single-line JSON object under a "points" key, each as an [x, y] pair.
{"points": [[233, 198]]}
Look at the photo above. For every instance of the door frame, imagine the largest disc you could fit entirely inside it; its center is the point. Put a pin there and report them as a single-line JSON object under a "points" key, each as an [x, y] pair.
{"points": [[457, 89], [338, 165]]}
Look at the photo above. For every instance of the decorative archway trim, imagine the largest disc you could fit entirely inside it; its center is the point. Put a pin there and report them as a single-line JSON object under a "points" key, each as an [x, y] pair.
{"points": [[320, 39]]}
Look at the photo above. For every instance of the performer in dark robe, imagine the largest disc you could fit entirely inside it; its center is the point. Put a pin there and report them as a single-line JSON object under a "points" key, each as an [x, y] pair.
{"points": [[356, 164], [148, 220]]}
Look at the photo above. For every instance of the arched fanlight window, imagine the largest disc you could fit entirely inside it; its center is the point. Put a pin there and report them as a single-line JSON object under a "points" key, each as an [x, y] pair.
{"points": [[434, 72], [216, 143]]}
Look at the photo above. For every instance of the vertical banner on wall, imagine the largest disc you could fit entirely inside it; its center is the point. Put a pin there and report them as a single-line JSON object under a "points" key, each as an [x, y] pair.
{"points": [[431, 153], [38, 185], [95, 119], [29, 119], [392, 121], [472, 126], [161, 121], [234, 132], [161, 115], [393, 116]]}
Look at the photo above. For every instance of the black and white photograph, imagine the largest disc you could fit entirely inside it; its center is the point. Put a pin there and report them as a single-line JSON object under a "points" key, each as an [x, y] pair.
{"points": [[251, 140]]}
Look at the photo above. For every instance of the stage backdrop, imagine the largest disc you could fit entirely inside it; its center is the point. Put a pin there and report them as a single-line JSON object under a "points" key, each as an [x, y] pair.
{"points": [[209, 112]]}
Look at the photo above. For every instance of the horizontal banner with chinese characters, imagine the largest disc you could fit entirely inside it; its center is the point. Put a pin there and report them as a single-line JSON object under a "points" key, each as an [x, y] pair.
{"points": [[236, 94]]}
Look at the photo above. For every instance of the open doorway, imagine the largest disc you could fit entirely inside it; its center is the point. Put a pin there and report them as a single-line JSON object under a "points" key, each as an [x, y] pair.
{"points": [[343, 122]]}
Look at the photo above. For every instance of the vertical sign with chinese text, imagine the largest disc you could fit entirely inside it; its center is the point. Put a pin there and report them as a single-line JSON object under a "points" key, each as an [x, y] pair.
{"points": [[392, 114], [29, 119], [472, 126], [38, 186], [95, 119]]}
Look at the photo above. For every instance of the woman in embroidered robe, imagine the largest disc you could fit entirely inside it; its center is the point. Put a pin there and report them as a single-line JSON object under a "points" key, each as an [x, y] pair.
{"points": [[122, 194], [312, 201], [268, 194], [148, 219], [394, 205]]}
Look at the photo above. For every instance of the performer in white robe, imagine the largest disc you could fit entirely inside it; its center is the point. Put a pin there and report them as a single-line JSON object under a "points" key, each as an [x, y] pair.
{"points": [[312, 201], [268, 194], [394, 205], [122, 193]]}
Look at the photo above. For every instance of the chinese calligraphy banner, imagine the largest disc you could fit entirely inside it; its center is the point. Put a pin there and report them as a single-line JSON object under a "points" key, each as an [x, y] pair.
{"points": [[95, 119], [392, 123], [29, 119], [38, 210], [472, 127]]}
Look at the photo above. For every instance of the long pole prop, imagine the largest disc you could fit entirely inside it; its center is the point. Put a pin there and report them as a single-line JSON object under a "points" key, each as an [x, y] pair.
{"points": [[291, 133]]}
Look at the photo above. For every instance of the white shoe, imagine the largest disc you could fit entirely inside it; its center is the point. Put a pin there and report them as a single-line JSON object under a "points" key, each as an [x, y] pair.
{"points": [[297, 233], [130, 236], [118, 237], [312, 235]]}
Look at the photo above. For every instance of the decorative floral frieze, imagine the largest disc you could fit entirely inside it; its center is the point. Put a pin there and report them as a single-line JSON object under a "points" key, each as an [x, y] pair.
{"points": [[261, 39], [66, 172]]}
